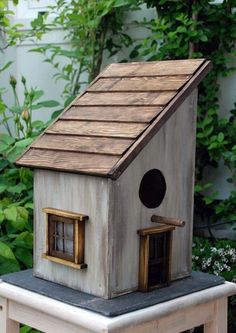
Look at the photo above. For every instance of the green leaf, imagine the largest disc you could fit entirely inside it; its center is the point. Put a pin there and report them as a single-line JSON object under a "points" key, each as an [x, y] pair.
{"points": [[220, 137], [2, 216], [8, 262], [2, 188], [21, 219], [24, 143], [25, 256], [203, 38], [8, 64], [38, 124], [11, 213], [48, 104], [7, 139], [4, 148], [17, 188], [29, 205], [24, 240], [198, 188], [38, 94]]}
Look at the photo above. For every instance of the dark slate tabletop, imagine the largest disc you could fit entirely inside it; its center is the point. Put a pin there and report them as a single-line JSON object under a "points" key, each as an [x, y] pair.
{"points": [[116, 306]]}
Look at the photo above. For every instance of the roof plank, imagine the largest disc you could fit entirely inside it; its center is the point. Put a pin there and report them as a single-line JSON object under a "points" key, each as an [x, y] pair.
{"points": [[146, 83], [126, 98], [110, 146], [69, 161], [143, 139], [112, 113], [105, 128], [97, 128], [167, 67]]}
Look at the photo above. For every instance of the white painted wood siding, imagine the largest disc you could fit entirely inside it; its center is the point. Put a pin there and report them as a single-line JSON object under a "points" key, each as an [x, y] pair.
{"points": [[80, 194], [172, 151]]}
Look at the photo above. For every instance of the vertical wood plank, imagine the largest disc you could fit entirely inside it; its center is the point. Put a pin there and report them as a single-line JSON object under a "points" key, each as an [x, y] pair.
{"points": [[219, 323], [7, 325], [143, 263], [76, 240], [169, 255], [80, 242], [47, 234]]}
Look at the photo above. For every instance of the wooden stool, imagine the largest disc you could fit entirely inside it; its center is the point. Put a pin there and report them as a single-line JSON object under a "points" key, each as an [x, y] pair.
{"points": [[207, 307]]}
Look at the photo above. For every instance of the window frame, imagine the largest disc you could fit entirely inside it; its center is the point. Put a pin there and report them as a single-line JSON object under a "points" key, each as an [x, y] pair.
{"points": [[76, 260], [144, 256]]}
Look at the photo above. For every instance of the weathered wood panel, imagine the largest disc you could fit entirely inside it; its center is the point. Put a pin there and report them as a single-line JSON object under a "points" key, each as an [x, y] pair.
{"points": [[171, 151], [168, 67], [163, 83], [126, 98], [111, 146], [97, 128], [79, 194], [137, 114], [76, 162]]}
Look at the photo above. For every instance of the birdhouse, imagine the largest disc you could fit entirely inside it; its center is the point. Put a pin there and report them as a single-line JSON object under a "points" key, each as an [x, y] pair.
{"points": [[113, 181]]}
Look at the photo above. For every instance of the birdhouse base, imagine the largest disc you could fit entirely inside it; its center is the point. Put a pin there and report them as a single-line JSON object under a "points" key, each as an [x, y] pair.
{"points": [[116, 306], [207, 307]]}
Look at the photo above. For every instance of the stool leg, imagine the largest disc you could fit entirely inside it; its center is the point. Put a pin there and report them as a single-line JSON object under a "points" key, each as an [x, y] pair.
{"points": [[219, 324], [7, 325]]}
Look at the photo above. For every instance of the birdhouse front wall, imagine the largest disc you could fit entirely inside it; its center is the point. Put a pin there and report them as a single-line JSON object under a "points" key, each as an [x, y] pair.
{"points": [[171, 151], [87, 195]]}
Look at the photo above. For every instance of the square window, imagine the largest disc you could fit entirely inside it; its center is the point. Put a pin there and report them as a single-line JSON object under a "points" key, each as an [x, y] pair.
{"points": [[65, 237]]}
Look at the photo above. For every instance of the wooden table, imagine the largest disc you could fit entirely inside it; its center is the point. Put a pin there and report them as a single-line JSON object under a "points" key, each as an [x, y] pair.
{"points": [[208, 307]]}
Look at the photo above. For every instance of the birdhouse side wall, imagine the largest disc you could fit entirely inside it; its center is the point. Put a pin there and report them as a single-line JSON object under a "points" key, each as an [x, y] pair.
{"points": [[172, 151], [80, 194]]}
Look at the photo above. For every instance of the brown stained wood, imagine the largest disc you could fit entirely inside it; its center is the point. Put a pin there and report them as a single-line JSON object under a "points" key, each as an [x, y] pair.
{"points": [[144, 256], [163, 83], [127, 158], [167, 220], [76, 243], [69, 161], [169, 256], [86, 128], [110, 146], [47, 233], [155, 230], [64, 262], [130, 127], [80, 242], [168, 67], [143, 263], [127, 98], [65, 213], [113, 113]]}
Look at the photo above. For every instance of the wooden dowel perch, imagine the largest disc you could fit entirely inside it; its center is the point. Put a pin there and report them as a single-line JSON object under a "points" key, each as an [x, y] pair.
{"points": [[167, 220]]}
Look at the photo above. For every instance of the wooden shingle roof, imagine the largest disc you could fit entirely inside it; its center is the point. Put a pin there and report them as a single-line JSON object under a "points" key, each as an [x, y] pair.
{"points": [[104, 128]]}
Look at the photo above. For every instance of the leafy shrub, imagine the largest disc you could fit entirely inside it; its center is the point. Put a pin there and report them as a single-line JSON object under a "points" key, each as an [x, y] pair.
{"points": [[16, 184], [218, 259]]}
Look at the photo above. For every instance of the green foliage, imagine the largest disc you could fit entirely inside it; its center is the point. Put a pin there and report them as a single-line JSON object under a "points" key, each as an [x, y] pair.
{"points": [[16, 214], [219, 259], [92, 28], [10, 32], [21, 116], [191, 29], [27, 329], [16, 184]]}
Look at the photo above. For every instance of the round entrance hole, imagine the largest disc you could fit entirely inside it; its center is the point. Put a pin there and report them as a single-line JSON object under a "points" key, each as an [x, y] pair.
{"points": [[152, 188]]}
